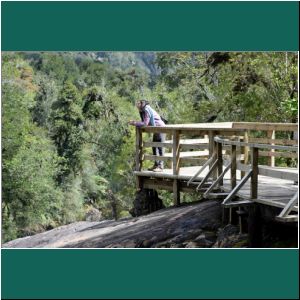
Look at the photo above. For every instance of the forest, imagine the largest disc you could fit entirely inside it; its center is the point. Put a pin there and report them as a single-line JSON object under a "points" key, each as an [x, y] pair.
{"points": [[67, 148]]}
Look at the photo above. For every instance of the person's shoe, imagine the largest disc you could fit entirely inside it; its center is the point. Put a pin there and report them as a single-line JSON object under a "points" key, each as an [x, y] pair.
{"points": [[158, 169]]}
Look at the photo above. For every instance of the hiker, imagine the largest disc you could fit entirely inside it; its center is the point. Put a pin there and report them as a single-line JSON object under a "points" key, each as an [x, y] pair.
{"points": [[150, 117]]}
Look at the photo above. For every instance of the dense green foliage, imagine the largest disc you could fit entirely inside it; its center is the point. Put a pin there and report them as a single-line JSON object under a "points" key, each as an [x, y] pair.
{"points": [[66, 143]]}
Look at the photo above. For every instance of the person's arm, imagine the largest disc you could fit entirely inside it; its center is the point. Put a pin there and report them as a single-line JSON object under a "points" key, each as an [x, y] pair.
{"points": [[141, 123]]}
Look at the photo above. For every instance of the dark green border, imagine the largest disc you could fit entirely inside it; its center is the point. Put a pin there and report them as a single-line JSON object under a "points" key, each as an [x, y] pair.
{"points": [[145, 26], [177, 274], [199, 26]]}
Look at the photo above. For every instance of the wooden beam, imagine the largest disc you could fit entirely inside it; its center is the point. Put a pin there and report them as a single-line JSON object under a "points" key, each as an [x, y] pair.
{"points": [[202, 169], [176, 152], [233, 167], [289, 218], [175, 166], [278, 154], [266, 126], [278, 173], [176, 192], [274, 141], [237, 188], [260, 146], [288, 208], [220, 162], [211, 170], [254, 175], [219, 180], [155, 157], [139, 149]]}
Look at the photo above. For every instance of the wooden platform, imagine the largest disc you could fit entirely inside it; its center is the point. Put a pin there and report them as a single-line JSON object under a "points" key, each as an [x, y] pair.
{"points": [[271, 191]]}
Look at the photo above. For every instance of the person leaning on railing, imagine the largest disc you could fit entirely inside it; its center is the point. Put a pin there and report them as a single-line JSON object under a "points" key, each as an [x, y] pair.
{"points": [[149, 117]]}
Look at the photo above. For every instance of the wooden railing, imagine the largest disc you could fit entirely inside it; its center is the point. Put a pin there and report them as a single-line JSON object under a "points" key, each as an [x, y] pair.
{"points": [[200, 143], [253, 170]]}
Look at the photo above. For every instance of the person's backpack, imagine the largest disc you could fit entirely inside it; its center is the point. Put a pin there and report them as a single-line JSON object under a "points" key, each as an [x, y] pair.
{"points": [[164, 120]]}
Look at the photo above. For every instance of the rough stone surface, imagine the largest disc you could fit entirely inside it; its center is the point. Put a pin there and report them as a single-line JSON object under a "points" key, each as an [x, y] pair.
{"points": [[193, 225], [229, 237], [145, 202], [93, 215]]}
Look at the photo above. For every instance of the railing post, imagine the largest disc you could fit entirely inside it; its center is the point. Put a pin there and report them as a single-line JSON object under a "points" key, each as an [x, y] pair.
{"points": [[175, 164], [271, 159], [138, 155], [211, 150], [220, 161], [233, 166], [254, 176], [245, 151]]}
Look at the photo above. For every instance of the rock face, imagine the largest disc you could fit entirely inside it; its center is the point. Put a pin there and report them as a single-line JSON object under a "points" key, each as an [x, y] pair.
{"points": [[146, 202], [189, 226], [93, 215]]}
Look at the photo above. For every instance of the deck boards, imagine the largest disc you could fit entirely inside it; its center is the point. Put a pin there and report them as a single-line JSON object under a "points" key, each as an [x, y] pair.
{"points": [[271, 191]]}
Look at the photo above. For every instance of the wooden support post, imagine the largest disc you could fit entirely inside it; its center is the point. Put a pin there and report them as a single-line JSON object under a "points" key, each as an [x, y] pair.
{"points": [[255, 226], [176, 192], [233, 166], [271, 159], [138, 156], [175, 164], [245, 151], [220, 161], [210, 144], [138, 149], [176, 152], [254, 175]]}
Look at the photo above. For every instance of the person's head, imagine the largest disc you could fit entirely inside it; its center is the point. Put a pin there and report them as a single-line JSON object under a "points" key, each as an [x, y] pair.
{"points": [[140, 104]]}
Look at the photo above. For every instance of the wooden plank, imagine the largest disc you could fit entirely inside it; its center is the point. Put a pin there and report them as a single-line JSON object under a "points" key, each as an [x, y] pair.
{"points": [[238, 203], [284, 142], [254, 175], [218, 181], [278, 154], [220, 161], [161, 184], [169, 144], [194, 146], [202, 169], [260, 146], [138, 149], [155, 157], [278, 173], [243, 167], [234, 126], [265, 126], [233, 167], [290, 218], [288, 208], [176, 152], [157, 144], [237, 188], [175, 166], [211, 170], [211, 143], [195, 161], [271, 159], [245, 151], [176, 192]]}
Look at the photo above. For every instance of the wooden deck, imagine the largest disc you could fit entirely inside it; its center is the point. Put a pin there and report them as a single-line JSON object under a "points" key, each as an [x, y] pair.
{"points": [[271, 191], [230, 154]]}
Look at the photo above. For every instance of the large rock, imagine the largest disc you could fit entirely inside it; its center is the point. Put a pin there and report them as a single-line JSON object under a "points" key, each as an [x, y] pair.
{"points": [[146, 201], [186, 226]]}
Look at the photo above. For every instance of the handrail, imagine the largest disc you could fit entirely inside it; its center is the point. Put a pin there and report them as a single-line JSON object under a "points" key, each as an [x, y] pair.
{"points": [[255, 145]]}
